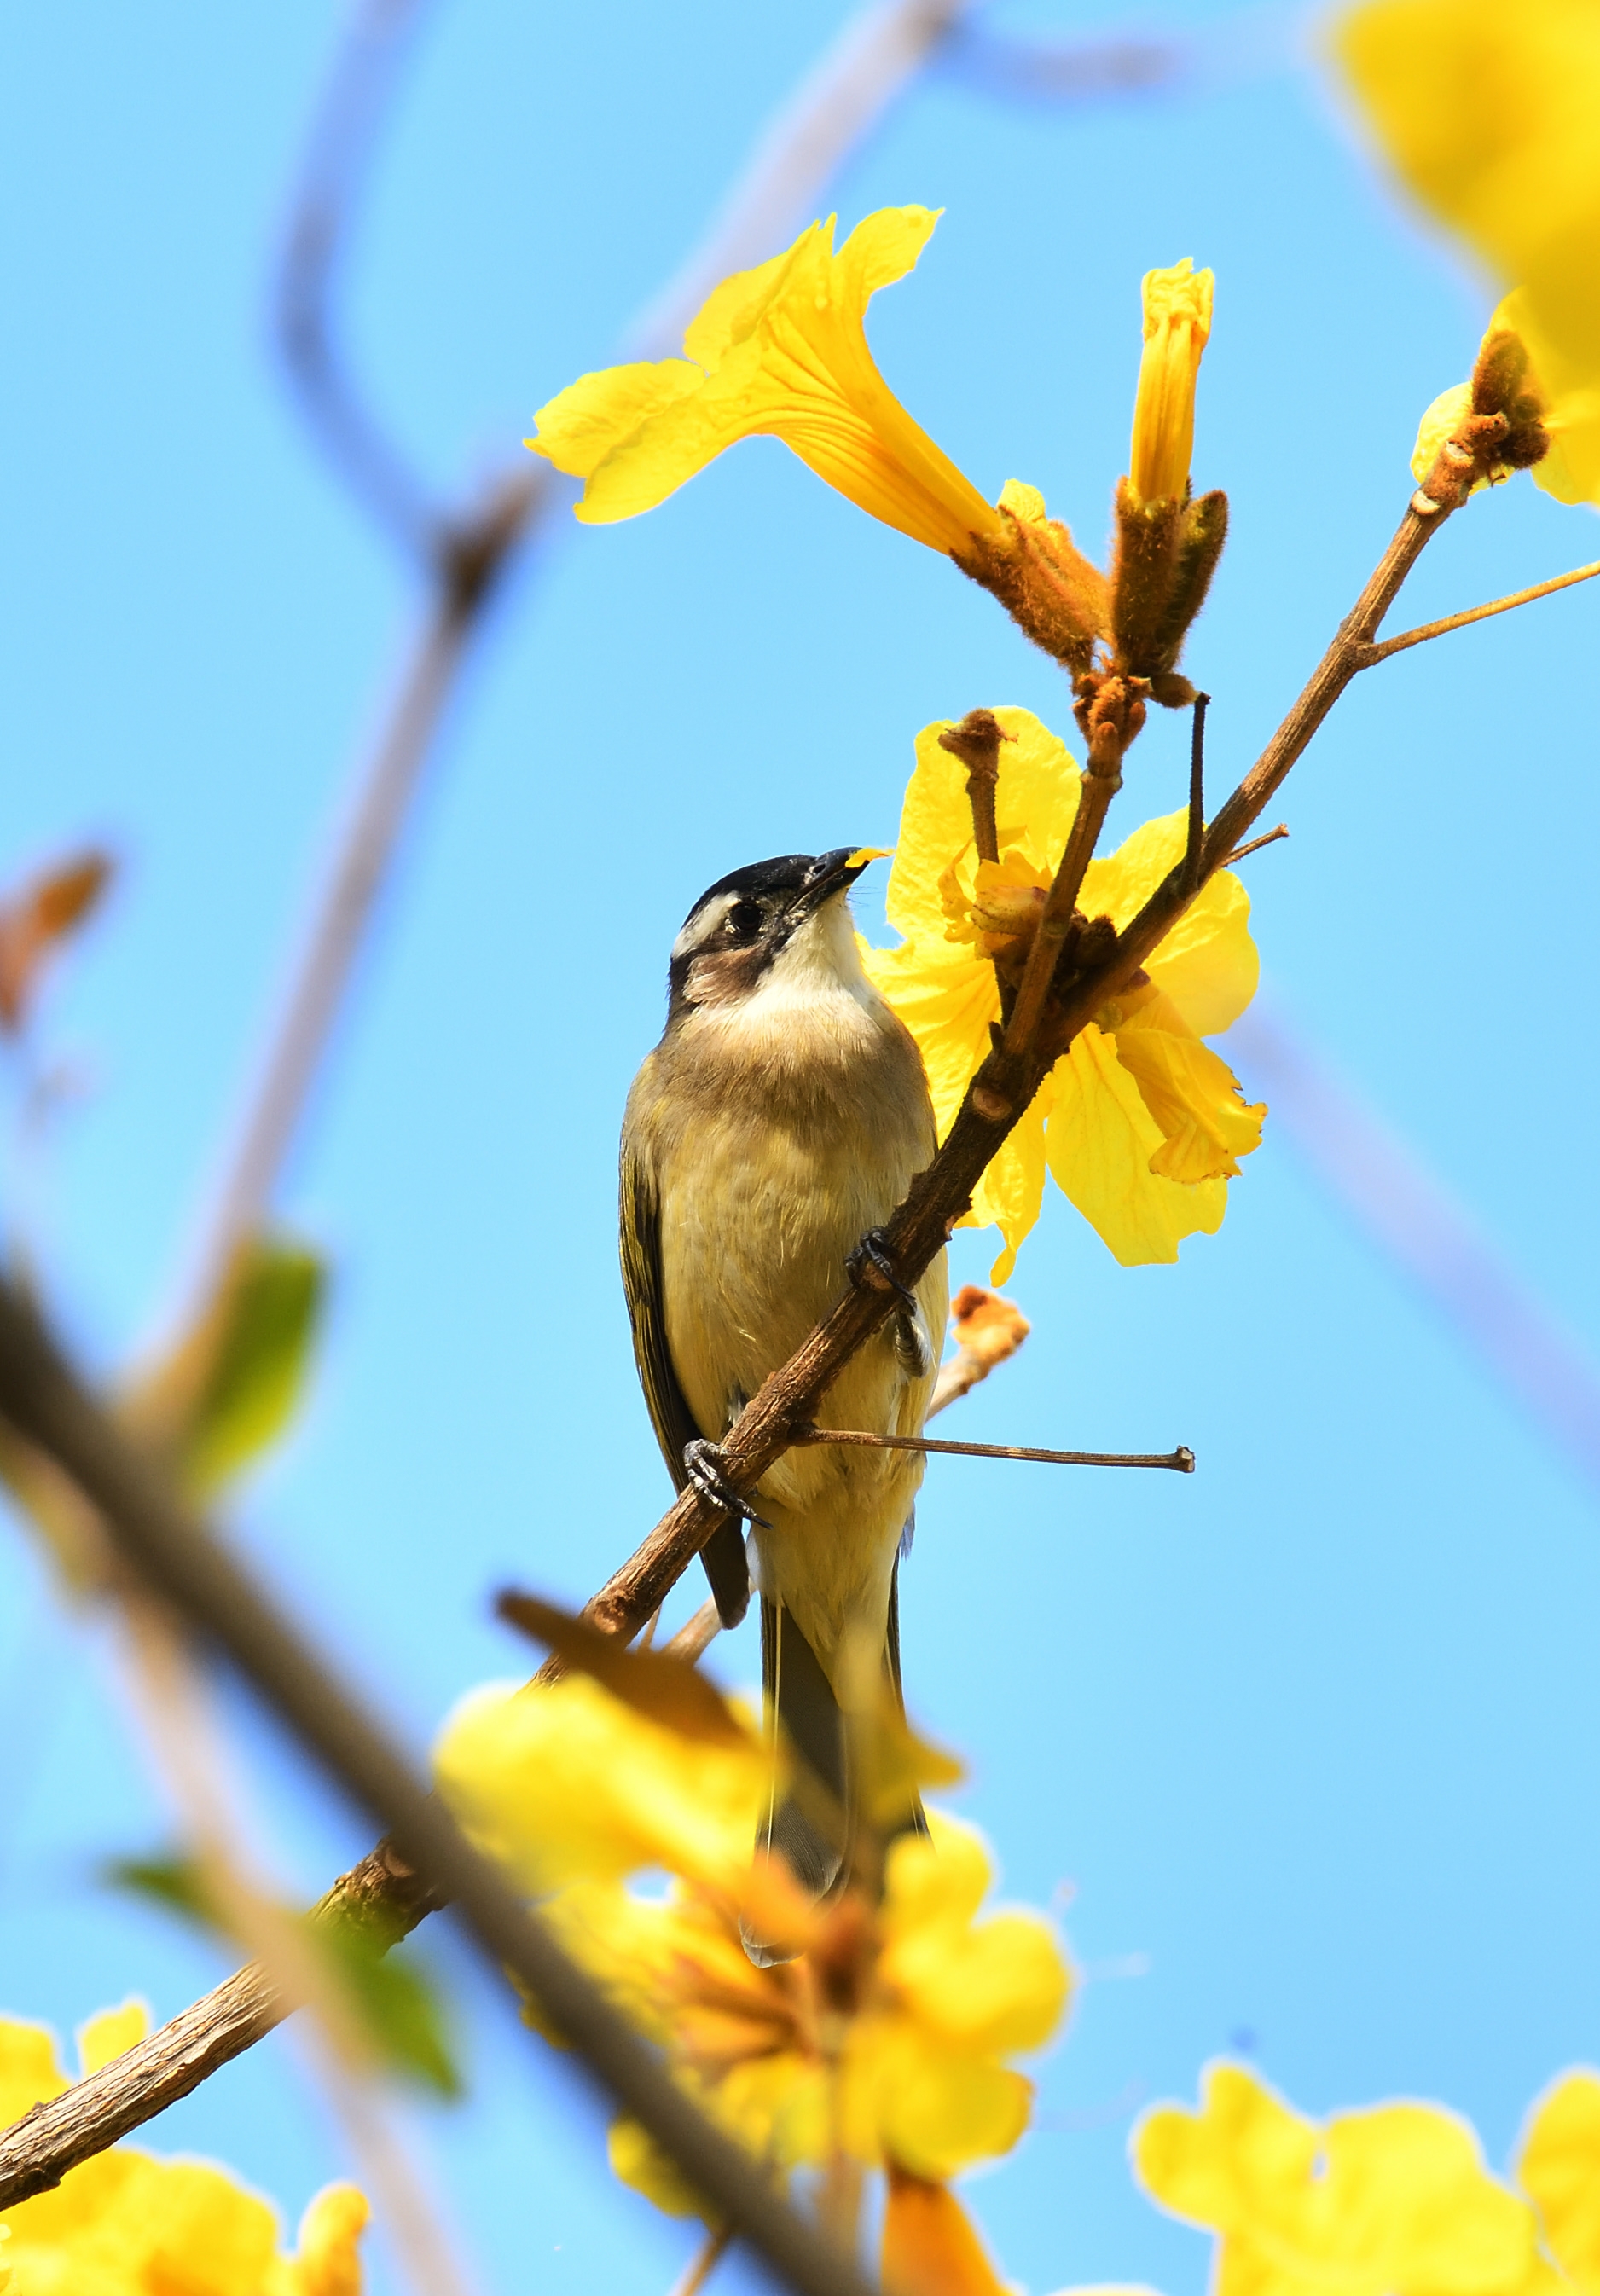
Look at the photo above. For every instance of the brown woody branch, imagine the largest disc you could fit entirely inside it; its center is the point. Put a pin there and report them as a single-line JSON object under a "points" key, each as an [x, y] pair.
{"points": [[182, 1563], [1425, 630], [384, 1895]]}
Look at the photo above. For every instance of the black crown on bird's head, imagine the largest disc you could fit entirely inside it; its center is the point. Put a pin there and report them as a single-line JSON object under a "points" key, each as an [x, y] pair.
{"points": [[747, 916]]}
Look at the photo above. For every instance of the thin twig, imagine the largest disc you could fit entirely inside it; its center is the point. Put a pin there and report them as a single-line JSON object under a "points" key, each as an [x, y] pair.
{"points": [[383, 1895], [188, 1565], [703, 2264], [1376, 653], [1242, 852], [1181, 1461], [1194, 850]]}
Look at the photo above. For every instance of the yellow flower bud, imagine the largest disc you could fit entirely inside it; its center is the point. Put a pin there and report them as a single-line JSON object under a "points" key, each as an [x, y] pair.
{"points": [[1177, 324]]}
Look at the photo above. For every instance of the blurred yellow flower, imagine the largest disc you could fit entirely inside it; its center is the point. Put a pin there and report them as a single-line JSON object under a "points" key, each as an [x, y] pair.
{"points": [[887, 2039], [126, 2224], [1178, 326], [562, 1781], [1559, 2169], [1488, 113], [931, 2245], [782, 351], [1391, 2202], [1141, 1124]]}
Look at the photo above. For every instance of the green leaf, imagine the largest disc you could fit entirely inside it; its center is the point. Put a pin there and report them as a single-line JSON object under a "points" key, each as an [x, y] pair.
{"points": [[400, 2005], [258, 1361], [395, 1999], [173, 1884]]}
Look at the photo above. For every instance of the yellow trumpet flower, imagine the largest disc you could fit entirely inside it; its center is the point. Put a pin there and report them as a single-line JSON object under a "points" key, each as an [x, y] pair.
{"points": [[562, 1781], [779, 351], [889, 2038], [1488, 115], [1394, 2201], [1141, 1124], [1177, 326], [126, 2224]]}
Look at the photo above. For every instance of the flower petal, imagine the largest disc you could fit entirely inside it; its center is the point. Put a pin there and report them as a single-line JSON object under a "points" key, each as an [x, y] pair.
{"points": [[562, 1781], [779, 350], [1099, 1142], [948, 999], [1392, 2201], [931, 2245], [1208, 962], [1193, 1096], [599, 414], [1011, 1193], [1559, 2170]]}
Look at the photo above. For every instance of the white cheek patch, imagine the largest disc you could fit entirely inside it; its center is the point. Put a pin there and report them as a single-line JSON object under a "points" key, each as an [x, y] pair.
{"points": [[703, 927]]}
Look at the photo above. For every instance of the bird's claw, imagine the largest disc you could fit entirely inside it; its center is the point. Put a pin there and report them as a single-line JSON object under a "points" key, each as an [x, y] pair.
{"points": [[703, 1463], [873, 1251]]}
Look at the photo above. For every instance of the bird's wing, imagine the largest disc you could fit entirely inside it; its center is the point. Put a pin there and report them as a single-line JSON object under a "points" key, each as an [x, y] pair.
{"points": [[641, 1244], [640, 1228]]}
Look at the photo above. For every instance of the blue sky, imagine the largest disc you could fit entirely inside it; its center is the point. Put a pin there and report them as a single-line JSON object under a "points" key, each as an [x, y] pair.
{"points": [[1311, 1737]]}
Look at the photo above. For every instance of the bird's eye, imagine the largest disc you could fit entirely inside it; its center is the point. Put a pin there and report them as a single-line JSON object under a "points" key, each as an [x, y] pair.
{"points": [[744, 919]]}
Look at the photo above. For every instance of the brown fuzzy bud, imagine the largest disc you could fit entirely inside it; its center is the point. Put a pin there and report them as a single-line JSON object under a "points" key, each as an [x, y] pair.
{"points": [[976, 741], [1167, 553], [1052, 592], [1201, 534], [1504, 383], [1142, 569], [1110, 711]]}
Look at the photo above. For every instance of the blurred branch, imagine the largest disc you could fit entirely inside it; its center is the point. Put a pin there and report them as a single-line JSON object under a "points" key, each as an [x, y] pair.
{"points": [[363, 854], [185, 1564], [185, 1743], [383, 1897], [338, 151], [823, 123], [464, 550]]}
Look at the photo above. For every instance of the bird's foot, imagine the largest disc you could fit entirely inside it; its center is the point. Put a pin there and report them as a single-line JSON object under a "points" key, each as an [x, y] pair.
{"points": [[704, 1465], [873, 1251]]}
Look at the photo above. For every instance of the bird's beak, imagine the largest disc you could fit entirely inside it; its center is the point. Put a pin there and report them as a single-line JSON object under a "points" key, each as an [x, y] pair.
{"points": [[829, 873]]}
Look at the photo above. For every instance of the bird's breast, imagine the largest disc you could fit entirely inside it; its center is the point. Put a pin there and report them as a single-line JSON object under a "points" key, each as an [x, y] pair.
{"points": [[779, 1140]]}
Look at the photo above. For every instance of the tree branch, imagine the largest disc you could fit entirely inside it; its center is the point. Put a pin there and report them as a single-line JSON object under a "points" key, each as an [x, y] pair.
{"points": [[385, 1894], [1376, 653], [190, 1567]]}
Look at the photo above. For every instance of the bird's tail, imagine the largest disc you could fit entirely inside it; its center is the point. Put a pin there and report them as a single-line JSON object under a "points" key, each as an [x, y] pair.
{"points": [[801, 1702]]}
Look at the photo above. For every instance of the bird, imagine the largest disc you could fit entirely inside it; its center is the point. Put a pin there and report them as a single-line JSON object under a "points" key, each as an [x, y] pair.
{"points": [[766, 1139]]}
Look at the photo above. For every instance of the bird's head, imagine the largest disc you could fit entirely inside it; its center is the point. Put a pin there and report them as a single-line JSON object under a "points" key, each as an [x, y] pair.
{"points": [[779, 928]]}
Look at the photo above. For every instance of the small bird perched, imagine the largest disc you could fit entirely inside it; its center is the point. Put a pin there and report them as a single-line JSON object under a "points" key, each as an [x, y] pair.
{"points": [[767, 1137]]}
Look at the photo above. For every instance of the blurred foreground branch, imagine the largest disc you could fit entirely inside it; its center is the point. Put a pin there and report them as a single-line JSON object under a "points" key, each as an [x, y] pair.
{"points": [[189, 1567]]}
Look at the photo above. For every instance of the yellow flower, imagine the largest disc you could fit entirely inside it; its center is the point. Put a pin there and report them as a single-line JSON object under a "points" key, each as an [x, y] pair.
{"points": [[127, 2224], [887, 2038], [1487, 114], [562, 1781], [931, 2245], [781, 351], [1392, 2201], [1140, 1123], [1178, 326], [1559, 2169]]}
